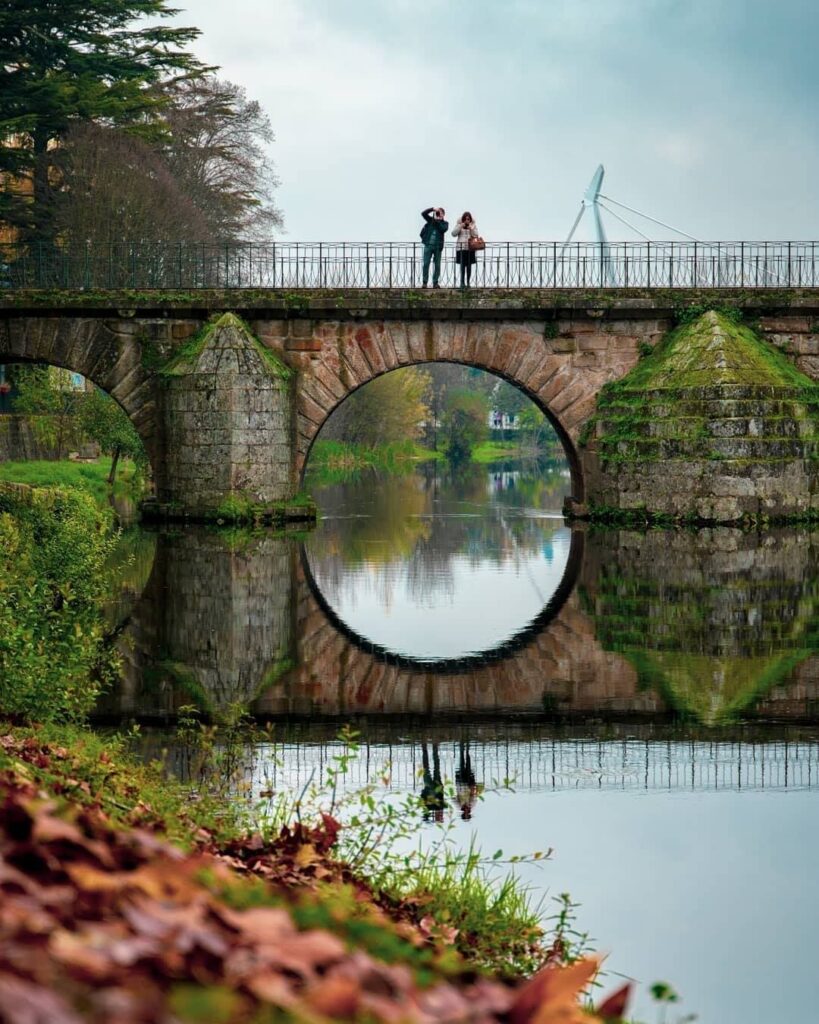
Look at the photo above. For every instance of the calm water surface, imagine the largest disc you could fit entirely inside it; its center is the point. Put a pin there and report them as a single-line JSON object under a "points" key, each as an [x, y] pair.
{"points": [[654, 696]]}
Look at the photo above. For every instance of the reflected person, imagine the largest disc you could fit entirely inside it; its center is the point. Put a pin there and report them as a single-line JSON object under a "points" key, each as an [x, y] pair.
{"points": [[467, 789], [432, 235], [432, 792]]}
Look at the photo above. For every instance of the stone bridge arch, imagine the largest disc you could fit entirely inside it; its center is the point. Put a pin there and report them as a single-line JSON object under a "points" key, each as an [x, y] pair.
{"points": [[563, 380], [106, 352]]}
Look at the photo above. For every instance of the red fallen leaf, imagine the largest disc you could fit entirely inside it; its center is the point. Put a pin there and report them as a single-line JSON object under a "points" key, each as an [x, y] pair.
{"points": [[78, 952], [550, 988], [271, 988], [331, 831], [614, 1007], [23, 1002], [335, 997]]}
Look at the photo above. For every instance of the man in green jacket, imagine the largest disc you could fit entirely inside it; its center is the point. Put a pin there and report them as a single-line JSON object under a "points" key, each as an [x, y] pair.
{"points": [[432, 235]]}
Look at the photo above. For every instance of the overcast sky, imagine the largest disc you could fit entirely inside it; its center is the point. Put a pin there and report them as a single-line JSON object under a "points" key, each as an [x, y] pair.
{"points": [[702, 111]]}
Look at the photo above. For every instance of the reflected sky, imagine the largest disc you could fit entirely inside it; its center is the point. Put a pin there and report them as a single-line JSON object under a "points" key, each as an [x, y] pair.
{"points": [[441, 565], [711, 891]]}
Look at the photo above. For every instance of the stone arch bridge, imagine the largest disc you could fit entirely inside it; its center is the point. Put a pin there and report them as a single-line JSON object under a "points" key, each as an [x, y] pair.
{"points": [[233, 406]]}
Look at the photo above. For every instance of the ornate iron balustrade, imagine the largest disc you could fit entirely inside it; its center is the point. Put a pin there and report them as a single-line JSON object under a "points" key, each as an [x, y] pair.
{"points": [[341, 265]]}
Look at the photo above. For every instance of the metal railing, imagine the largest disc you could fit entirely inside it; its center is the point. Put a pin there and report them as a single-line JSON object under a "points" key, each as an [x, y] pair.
{"points": [[341, 265], [552, 764]]}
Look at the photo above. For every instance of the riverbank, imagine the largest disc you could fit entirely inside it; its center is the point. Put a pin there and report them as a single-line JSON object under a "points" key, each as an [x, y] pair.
{"points": [[344, 457], [91, 477], [119, 891]]}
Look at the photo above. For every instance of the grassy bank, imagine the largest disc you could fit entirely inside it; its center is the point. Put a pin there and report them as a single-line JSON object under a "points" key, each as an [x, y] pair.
{"points": [[91, 477], [343, 455]]}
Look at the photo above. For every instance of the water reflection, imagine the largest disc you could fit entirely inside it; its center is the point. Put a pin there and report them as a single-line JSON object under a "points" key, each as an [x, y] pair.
{"points": [[656, 705], [714, 626], [441, 564]]}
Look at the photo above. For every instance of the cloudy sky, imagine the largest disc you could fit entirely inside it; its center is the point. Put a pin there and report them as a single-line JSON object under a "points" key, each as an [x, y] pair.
{"points": [[702, 111]]}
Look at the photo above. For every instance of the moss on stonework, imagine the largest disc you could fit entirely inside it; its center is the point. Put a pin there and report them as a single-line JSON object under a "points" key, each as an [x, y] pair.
{"points": [[236, 508], [184, 359], [714, 390], [714, 349]]}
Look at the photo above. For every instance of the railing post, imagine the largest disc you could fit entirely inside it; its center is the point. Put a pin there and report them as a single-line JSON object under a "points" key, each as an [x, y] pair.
{"points": [[671, 266], [789, 264], [321, 266], [554, 264], [389, 282], [297, 264], [507, 264], [695, 266], [368, 263], [414, 263], [742, 264], [648, 264]]}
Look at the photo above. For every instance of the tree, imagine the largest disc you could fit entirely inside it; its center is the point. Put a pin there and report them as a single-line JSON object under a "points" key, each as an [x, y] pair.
{"points": [[215, 151], [70, 60], [390, 408], [45, 397], [465, 423], [118, 186], [105, 422]]}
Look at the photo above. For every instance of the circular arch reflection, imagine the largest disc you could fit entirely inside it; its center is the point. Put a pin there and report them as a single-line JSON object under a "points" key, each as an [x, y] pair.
{"points": [[464, 662]]}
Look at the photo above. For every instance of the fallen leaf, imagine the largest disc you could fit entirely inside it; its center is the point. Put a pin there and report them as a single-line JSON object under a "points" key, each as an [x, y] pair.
{"points": [[306, 855], [616, 1004], [335, 997]]}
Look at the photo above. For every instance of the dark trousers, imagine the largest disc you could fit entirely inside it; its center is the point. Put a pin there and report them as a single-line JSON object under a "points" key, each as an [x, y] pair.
{"points": [[432, 254]]}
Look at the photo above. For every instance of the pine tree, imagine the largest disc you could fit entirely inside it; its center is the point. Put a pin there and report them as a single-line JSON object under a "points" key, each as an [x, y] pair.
{"points": [[65, 61]]}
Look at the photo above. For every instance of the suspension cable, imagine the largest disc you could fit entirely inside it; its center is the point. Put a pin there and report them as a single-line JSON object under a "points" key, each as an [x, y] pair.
{"points": [[653, 219], [628, 224]]}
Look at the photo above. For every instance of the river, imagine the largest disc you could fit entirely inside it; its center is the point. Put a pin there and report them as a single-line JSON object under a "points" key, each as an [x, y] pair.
{"points": [[654, 696]]}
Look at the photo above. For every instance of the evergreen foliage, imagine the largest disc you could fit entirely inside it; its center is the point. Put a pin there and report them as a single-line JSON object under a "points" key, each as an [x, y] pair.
{"points": [[78, 60]]}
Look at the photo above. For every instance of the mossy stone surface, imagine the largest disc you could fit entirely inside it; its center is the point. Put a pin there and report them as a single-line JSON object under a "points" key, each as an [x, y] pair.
{"points": [[713, 401]]}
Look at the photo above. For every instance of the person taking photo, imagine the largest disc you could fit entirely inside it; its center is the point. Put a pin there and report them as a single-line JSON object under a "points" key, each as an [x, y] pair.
{"points": [[464, 231], [432, 235]]}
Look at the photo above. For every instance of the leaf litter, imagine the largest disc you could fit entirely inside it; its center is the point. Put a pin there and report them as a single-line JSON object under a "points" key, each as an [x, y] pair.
{"points": [[112, 924]]}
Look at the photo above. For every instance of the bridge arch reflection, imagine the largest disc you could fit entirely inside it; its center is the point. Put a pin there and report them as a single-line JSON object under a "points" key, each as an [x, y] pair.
{"points": [[464, 663]]}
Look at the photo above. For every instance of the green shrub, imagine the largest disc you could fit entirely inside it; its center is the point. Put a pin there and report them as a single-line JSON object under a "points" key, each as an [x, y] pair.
{"points": [[53, 549]]}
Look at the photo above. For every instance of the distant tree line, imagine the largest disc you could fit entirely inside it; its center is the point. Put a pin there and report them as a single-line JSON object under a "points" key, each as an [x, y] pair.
{"points": [[446, 406], [111, 131]]}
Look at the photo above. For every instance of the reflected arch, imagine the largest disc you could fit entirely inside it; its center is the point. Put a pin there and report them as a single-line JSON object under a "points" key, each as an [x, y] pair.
{"points": [[464, 664]]}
